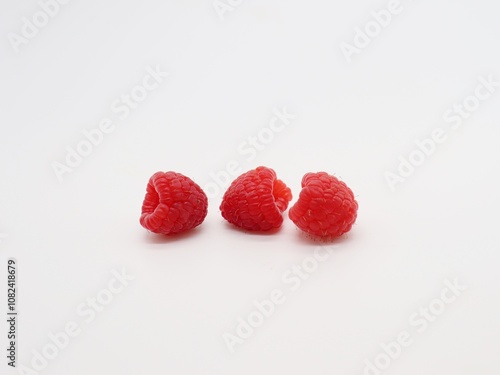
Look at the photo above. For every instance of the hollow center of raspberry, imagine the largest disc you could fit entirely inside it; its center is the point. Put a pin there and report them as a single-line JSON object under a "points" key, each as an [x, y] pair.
{"points": [[280, 195], [153, 199]]}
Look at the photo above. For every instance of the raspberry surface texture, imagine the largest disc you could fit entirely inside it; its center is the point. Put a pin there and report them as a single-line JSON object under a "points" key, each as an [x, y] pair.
{"points": [[173, 204], [326, 207], [256, 200]]}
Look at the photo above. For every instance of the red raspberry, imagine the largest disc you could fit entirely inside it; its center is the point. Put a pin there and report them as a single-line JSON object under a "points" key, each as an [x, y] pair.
{"points": [[174, 203], [255, 200], [326, 206]]}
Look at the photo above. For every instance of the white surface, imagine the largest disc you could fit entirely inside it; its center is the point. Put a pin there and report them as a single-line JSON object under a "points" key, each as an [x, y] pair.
{"points": [[226, 77]]}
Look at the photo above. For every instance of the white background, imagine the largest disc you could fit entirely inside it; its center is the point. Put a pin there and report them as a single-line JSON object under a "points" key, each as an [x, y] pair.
{"points": [[226, 76]]}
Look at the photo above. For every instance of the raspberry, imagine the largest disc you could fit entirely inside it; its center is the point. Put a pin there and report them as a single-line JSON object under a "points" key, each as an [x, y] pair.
{"points": [[326, 207], [173, 203], [255, 200]]}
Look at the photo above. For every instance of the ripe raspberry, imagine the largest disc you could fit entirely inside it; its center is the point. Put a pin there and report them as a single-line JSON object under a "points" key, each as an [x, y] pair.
{"points": [[174, 203], [326, 206], [255, 200]]}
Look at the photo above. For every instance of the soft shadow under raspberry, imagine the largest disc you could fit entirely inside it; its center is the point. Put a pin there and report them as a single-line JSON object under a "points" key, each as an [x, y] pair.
{"points": [[232, 227], [310, 239], [155, 238]]}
